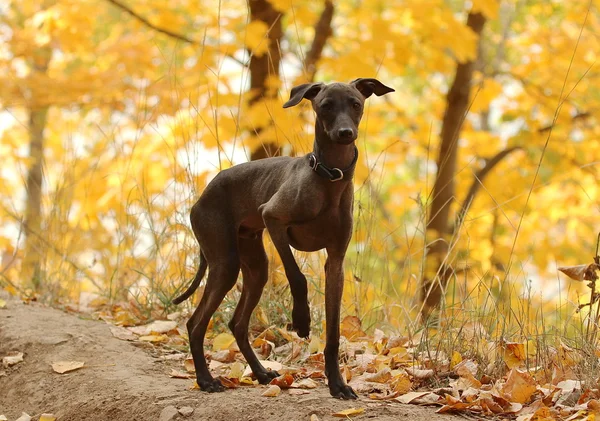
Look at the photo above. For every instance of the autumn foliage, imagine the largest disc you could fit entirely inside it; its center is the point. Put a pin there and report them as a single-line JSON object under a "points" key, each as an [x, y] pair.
{"points": [[476, 179]]}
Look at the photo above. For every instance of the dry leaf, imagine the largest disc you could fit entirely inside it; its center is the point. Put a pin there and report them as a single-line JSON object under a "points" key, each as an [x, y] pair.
{"points": [[229, 383], [272, 391], [236, 370], [189, 366], [382, 376], [2, 303], [157, 327], [24, 417], [581, 272], [305, 384], [10, 360], [420, 373], [401, 384], [514, 354], [176, 374], [154, 338], [314, 417], [222, 341], [351, 328], [122, 333], [284, 381], [410, 396], [3, 418], [47, 417], [519, 386], [348, 412], [225, 356], [62, 367]]}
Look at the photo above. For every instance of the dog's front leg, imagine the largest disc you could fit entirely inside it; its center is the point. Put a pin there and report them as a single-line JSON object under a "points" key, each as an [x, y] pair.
{"points": [[334, 288], [277, 228]]}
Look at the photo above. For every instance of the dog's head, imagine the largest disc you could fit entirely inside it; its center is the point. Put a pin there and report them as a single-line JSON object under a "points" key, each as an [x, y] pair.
{"points": [[339, 106]]}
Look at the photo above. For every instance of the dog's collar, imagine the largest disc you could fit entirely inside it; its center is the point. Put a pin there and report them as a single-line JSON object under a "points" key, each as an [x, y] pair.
{"points": [[332, 174]]}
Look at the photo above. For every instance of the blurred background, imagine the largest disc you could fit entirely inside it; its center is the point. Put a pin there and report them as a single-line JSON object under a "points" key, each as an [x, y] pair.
{"points": [[476, 178]]}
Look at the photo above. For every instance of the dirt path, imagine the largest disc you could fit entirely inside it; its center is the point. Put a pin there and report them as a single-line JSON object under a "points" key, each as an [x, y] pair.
{"points": [[123, 382]]}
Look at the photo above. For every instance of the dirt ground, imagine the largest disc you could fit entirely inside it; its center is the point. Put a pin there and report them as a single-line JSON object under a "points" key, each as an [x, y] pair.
{"points": [[122, 381]]}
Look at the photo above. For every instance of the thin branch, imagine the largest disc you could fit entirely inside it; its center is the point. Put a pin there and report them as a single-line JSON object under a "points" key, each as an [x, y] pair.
{"points": [[478, 180], [163, 31], [323, 32]]}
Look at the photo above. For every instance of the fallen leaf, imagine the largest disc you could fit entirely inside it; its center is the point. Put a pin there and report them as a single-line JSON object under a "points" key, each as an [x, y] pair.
{"points": [[410, 396], [176, 374], [47, 417], [305, 384], [122, 333], [236, 371], [228, 382], [284, 381], [154, 338], [222, 341], [401, 384], [2, 303], [382, 376], [3, 418], [10, 360], [156, 327], [348, 412], [62, 367], [189, 366], [272, 391], [420, 374], [314, 417], [351, 328], [225, 356], [24, 417], [519, 386], [514, 354]]}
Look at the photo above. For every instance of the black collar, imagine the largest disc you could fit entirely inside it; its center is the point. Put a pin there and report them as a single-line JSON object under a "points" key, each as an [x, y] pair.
{"points": [[332, 174]]}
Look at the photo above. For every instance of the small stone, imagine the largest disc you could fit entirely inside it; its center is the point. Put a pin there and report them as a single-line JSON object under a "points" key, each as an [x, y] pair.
{"points": [[186, 411], [168, 413]]}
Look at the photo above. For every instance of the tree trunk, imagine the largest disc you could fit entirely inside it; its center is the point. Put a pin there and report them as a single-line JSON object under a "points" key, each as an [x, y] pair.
{"points": [[33, 208], [264, 66], [436, 272]]}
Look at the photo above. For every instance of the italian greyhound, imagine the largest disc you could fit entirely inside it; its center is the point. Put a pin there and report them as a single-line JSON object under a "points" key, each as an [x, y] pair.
{"points": [[304, 202]]}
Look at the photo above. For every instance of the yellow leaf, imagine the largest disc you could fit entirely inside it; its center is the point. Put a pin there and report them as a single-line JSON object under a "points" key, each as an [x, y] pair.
{"points": [[519, 386], [2, 303], [62, 367], [272, 391], [47, 417], [154, 338], [351, 327], [348, 412], [456, 358], [223, 341], [236, 371]]}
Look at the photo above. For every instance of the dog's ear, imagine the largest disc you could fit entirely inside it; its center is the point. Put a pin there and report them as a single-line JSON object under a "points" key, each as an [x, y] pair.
{"points": [[306, 90], [369, 86]]}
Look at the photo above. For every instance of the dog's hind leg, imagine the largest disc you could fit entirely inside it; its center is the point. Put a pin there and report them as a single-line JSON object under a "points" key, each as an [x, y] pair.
{"points": [[254, 264], [223, 261]]}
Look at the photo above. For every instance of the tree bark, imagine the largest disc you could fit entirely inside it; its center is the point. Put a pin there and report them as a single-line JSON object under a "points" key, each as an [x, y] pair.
{"points": [[436, 272], [32, 261], [261, 67]]}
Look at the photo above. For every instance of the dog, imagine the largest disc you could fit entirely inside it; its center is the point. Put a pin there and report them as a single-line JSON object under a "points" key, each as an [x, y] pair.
{"points": [[304, 202]]}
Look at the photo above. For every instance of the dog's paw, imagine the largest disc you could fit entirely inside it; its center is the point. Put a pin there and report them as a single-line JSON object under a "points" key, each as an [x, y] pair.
{"points": [[301, 322], [342, 391], [266, 376], [211, 386]]}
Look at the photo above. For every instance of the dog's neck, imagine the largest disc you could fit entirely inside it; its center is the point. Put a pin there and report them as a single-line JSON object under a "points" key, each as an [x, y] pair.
{"points": [[329, 153]]}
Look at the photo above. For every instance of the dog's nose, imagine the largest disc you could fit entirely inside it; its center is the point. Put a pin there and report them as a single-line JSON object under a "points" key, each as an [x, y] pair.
{"points": [[345, 133]]}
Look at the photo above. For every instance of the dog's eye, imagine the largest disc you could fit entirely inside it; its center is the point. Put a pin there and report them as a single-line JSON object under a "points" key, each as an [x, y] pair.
{"points": [[356, 106], [326, 106]]}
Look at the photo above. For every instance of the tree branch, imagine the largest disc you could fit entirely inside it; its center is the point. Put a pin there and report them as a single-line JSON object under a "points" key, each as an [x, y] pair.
{"points": [[164, 31], [323, 32], [478, 180]]}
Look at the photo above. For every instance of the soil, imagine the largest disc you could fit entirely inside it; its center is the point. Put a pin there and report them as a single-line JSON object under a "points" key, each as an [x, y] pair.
{"points": [[123, 381]]}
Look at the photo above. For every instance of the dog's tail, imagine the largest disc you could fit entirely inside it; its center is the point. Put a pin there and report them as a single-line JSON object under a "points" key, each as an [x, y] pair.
{"points": [[195, 283]]}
